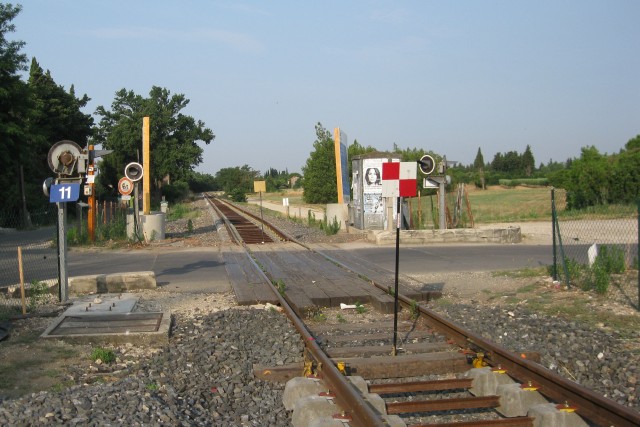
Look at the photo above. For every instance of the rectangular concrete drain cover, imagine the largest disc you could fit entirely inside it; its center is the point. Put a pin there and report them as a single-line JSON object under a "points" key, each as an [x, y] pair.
{"points": [[107, 324]]}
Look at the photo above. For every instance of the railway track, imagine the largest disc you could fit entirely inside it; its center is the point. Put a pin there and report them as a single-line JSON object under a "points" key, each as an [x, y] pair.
{"points": [[440, 372]]}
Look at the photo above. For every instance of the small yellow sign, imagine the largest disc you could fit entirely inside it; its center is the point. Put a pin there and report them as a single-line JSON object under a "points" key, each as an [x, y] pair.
{"points": [[259, 186]]}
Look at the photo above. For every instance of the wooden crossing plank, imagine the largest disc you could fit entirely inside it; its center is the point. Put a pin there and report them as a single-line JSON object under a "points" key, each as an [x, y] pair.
{"points": [[407, 285], [336, 281], [309, 288], [248, 285], [300, 302], [311, 282], [273, 270]]}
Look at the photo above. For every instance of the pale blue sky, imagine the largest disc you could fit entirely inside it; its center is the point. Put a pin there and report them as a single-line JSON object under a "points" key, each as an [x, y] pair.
{"points": [[447, 76]]}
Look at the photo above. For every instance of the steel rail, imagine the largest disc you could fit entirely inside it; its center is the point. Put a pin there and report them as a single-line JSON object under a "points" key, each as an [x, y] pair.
{"points": [[275, 230], [346, 395]]}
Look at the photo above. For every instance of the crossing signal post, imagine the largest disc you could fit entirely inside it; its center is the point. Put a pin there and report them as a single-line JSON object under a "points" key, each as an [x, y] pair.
{"points": [[69, 162], [65, 160]]}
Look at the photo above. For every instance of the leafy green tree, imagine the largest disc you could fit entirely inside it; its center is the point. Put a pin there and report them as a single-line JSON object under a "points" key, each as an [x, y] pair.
{"points": [[237, 179], [202, 182], [173, 136], [14, 113], [624, 178], [320, 170], [587, 181]]}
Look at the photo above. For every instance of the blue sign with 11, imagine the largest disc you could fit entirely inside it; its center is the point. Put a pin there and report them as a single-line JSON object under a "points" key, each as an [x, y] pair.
{"points": [[61, 193]]}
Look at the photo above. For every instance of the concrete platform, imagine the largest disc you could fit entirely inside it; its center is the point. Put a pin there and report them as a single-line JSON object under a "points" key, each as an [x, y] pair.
{"points": [[109, 318]]}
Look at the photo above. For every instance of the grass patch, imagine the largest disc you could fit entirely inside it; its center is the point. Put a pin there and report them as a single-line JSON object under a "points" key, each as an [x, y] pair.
{"points": [[181, 210], [523, 273]]}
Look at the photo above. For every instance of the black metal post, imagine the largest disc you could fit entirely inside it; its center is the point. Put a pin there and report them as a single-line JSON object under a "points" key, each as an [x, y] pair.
{"points": [[395, 296], [553, 233]]}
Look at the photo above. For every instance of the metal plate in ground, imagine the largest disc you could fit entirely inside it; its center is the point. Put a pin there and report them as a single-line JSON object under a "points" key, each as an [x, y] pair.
{"points": [[92, 324]]}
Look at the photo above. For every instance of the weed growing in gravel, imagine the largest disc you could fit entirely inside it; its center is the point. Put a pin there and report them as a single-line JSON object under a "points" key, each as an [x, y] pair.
{"points": [[360, 309], [317, 315], [152, 387], [189, 226], [414, 309], [37, 294], [280, 286], [598, 276], [105, 355], [330, 228], [341, 318]]}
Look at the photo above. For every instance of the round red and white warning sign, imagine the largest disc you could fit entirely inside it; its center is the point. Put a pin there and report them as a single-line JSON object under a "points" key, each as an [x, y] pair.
{"points": [[125, 186]]}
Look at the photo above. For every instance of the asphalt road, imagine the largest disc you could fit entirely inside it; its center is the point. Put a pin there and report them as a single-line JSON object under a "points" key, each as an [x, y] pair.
{"points": [[202, 268], [444, 258]]}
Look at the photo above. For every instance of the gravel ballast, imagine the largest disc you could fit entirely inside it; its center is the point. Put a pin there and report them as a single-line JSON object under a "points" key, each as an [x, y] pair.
{"points": [[204, 378]]}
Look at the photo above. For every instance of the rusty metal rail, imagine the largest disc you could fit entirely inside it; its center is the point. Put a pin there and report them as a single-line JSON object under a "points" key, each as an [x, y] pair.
{"points": [[243, 230]]}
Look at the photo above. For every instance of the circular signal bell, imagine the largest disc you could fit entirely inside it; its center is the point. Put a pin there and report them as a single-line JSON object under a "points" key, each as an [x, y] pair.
{"points": [[63, 157], [427, 164], [134, 171]]}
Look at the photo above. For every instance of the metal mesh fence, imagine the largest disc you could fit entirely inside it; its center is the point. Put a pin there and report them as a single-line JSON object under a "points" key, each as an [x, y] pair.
{"points": [[39, 266], [35, 235], [610, 230]]}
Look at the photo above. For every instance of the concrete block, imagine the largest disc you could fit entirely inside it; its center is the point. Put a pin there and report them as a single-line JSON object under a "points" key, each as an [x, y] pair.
{"points": [[298, 388], [486, 382], [515, 401], [547, 415], [118, 282], [360, 383], [377, 402], [310, 408], [121, 282], [87, 284]]}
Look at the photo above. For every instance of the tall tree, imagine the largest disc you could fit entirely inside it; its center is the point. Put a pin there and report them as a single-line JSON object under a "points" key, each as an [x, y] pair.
{"points": [[478, 165], [14, 112], [173, 136], [56, 115], [528, 162], [320, 170]]}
